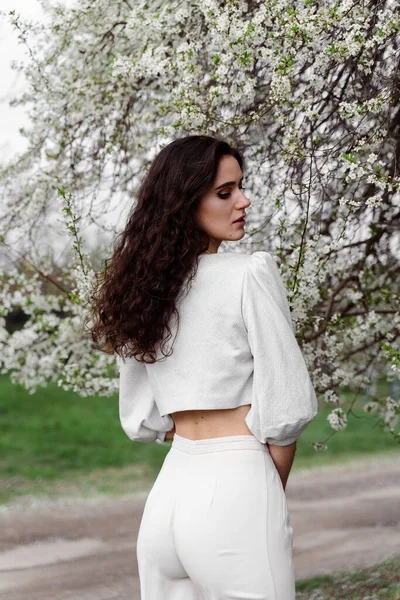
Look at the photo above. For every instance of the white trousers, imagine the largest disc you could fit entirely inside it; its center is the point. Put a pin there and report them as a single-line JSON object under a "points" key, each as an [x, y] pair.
{"points": [[215, 525]]}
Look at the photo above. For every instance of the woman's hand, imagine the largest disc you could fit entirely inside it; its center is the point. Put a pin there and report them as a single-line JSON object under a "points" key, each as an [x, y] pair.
{"points": [[170, 434]]}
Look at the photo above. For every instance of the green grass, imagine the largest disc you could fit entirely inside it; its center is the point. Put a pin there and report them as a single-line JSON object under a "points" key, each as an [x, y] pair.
{"points": [[379, 582], [360, 439], [55, 435], [54, 431]]}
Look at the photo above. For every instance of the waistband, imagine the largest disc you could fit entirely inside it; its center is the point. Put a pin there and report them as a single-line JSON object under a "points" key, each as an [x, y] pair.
{"points": [[230, 442]]}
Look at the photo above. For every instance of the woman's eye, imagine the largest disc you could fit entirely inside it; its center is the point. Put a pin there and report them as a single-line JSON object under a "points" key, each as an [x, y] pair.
{"points": [[225, 195]]}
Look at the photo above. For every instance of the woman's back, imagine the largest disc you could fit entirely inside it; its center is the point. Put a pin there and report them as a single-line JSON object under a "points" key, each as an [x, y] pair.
{"points": [[204, 424]]}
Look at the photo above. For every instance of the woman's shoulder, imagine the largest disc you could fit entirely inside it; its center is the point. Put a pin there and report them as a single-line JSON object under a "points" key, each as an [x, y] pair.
{"points": [[262, 264], [256, 257], [258, 263]]}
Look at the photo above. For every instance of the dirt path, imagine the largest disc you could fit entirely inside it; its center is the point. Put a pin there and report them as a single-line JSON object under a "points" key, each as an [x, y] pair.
{"points": [[68, 549]]}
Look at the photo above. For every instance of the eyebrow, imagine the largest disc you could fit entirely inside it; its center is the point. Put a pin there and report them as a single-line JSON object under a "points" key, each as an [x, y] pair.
{"points": [[227, 183]]}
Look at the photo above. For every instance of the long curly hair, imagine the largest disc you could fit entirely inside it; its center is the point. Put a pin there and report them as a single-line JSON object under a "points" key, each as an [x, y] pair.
{"points": [[134, 297]]}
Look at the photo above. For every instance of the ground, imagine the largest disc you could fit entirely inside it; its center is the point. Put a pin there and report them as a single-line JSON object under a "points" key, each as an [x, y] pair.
{"points": [[84, 548]]}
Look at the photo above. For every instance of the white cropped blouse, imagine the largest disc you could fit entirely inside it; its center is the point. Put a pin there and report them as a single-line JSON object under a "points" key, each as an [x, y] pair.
{"points": [[235, 345]]}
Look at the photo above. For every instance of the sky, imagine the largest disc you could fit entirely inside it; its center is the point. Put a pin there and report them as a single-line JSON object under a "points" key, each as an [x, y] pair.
{"points": [[12, 82]]}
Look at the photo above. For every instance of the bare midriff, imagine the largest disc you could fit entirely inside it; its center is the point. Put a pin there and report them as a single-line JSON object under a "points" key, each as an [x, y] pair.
{"points": [[204, 424]]}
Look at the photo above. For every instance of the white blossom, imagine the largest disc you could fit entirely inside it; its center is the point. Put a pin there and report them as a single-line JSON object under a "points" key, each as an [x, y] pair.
{"points": [[337, 419]]}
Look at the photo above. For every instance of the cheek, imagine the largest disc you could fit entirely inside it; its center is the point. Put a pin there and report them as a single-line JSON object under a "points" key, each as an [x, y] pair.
{"points": [[216, 212], [215, 208]]}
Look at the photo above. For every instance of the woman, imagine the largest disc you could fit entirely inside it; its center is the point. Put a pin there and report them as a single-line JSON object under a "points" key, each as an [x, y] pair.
{"points": [[233, 393]]}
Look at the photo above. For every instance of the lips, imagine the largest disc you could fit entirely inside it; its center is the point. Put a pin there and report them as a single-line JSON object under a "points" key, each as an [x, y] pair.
{"points": [[240, 218]]}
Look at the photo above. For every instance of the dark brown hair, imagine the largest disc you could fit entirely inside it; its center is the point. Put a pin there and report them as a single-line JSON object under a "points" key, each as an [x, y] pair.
{"points": [[134, 297]]}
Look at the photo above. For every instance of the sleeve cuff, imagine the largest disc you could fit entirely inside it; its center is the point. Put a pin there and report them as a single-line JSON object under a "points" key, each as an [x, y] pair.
{"points": [[285, 442], [160, 439]]}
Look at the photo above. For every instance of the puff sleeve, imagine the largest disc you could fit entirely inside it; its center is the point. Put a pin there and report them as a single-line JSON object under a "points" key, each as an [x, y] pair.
{"points": [[283, 398], [138, 412]]}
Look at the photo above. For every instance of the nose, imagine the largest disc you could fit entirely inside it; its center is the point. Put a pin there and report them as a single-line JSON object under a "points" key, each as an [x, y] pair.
{"points": [[245, 198]]}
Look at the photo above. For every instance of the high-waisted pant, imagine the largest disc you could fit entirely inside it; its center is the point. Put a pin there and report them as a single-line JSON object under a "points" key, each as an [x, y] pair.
{"points": [[215, 525]]}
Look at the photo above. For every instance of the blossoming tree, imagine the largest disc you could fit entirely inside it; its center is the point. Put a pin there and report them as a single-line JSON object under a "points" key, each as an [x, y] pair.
{"points": [[309, 91]]}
